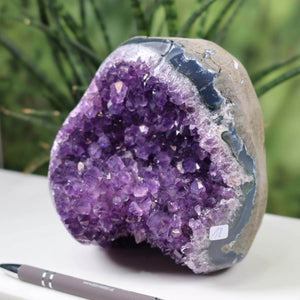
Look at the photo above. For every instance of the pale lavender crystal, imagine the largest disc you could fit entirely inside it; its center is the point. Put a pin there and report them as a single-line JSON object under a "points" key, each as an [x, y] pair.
{"points": [[139, 156]]}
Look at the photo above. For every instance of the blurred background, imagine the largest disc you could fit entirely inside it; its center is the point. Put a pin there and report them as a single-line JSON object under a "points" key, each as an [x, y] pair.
{"points": [[50, 49]]}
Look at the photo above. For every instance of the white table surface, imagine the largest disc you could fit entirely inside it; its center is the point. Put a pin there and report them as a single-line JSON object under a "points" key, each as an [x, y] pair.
{"points": [[31, 233]]}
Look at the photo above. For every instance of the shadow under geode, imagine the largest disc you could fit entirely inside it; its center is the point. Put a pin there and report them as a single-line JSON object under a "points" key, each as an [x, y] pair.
{"points": [[253, 274], [141, 257]]}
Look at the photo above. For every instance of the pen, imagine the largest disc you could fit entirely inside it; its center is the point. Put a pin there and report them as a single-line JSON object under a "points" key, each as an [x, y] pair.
{"points": [[71, 285]]}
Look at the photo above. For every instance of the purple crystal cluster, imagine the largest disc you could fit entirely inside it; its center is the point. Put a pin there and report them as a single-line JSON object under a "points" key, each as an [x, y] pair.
{"points": [[140, 156]]}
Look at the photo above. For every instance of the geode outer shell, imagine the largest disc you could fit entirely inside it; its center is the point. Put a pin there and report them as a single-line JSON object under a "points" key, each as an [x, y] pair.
{"points": [[167, 146]]}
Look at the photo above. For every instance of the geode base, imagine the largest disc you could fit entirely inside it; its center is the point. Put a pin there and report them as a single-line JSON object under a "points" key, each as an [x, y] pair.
{"points": [[167, 146]]}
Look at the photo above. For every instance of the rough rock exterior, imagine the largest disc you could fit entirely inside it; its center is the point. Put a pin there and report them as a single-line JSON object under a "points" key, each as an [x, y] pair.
{"points": [[167, 146]]}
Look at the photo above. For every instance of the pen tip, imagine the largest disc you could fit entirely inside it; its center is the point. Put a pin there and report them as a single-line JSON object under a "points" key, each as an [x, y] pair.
{"points": [[10, 267]]}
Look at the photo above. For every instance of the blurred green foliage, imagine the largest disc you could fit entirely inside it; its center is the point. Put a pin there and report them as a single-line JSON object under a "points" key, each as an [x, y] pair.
{"points": [[66, 45]]}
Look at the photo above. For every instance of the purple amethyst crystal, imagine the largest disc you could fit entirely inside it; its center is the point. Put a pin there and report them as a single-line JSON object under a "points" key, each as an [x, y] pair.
{"points": [[151, 152]]}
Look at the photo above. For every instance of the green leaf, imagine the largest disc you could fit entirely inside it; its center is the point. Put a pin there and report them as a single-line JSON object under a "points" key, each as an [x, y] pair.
{"points": [[60, 55], [202, 23], [158, 22], [84, 50], [160, 28], [171, 16], [275, 82], [100, 19], [54, 45], [79, 68], [261, 74], [49, 32], [151, 9], [43, 12], [59, 99], [213, 28], [44, 113], [79, 88], [138, 14], [37, 162], [186, 27], [221, 34], [11, 85], [82, 9], [75, 29], [25, 117]]}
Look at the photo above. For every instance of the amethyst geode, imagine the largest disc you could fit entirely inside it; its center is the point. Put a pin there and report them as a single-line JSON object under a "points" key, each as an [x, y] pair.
{"points": [[166, 146]]}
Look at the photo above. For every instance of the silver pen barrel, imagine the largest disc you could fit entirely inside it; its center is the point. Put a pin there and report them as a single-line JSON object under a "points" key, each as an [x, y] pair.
{"points": [[75, 286]]}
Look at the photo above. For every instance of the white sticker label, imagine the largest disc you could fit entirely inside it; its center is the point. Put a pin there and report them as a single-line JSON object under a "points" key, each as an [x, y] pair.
{"points": [[219, 232]]}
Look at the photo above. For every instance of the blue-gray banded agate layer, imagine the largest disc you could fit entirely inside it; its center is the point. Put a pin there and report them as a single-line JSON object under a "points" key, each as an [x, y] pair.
{"points": [[161, 149]]}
